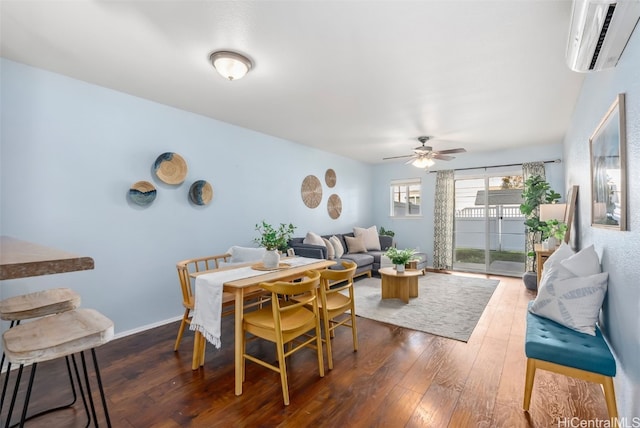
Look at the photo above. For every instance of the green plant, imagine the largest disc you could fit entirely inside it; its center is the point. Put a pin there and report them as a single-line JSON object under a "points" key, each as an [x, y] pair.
{"points": [[400, 257], [385, 232], [555, 229], [536, 191], [272, 238]]}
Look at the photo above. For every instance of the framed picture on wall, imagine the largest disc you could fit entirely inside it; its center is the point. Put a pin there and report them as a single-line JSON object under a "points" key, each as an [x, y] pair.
{"points": [[609, 169]]}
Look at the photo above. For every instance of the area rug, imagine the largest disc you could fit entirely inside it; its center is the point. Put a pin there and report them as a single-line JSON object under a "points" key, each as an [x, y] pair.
{"points": [[447, 305]]}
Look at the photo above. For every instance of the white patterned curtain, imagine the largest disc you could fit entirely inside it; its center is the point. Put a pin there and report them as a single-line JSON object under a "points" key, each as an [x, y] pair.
{"points": [[443, 220], [531, 169]]}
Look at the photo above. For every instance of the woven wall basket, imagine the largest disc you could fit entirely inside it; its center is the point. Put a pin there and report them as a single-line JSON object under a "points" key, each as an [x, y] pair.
{"points": [[201, 192], [311, 191], [142, 193], [334, 206], [170, 168], [330, 177]]}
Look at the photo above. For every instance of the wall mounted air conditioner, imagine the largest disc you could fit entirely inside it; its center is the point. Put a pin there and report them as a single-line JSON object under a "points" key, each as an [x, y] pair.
{"points": [[599, 32]]}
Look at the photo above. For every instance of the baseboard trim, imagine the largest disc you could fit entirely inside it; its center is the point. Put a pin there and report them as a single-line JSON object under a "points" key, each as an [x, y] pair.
{"points": [[146, 327]]}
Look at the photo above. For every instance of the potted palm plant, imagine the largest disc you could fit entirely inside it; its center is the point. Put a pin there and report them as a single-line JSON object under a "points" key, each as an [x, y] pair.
{"points": [[274, 241], [400, 257]]}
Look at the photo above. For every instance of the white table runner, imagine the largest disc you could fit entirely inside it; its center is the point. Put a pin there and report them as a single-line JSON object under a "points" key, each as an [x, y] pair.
{"points": [[207, 311]]}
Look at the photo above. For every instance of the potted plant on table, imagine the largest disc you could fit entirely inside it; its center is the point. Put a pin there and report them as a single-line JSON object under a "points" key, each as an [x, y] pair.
{"points": [[273, 240], [536, 192], [554, 230], [400, 257], [386, 232]]}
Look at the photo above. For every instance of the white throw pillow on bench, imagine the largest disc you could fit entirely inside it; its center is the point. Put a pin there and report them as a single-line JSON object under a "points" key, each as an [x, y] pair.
{"points": [[572, 290]]}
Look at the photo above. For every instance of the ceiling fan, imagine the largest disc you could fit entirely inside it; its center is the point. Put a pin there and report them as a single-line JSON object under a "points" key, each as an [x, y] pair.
{"points": [[423, 156]]}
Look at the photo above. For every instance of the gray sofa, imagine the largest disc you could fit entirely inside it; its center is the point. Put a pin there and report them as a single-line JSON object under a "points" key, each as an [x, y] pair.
{"points": [[367, 262]]}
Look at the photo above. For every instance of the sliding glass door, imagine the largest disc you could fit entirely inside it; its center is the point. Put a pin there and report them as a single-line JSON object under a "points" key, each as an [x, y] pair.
{"points": [[489, 228]]}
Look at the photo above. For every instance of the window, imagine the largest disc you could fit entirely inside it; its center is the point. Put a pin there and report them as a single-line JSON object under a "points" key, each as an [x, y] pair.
{"points": [[405, 197], [488, 230]]}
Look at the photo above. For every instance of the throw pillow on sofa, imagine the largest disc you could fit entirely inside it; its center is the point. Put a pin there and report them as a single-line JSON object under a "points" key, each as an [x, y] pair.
{"points": [[331, 252], [313, 239], [370, 235], [337, 246], [355, 244]]}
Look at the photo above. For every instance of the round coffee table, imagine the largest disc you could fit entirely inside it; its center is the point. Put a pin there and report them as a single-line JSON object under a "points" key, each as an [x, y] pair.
{"points": [[400, 285]]}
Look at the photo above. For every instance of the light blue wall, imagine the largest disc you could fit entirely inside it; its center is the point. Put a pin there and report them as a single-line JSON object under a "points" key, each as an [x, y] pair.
{"points": [[619, 250], [418, 232], [71, 150]]}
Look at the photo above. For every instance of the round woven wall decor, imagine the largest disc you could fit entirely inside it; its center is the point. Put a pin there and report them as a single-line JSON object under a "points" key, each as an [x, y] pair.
{"points": [[330, 177], [334, 206], [170, 168], [142, 193], [201, 192], [311, 191]]}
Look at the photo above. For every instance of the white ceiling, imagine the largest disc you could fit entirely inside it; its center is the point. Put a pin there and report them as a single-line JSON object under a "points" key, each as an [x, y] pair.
{"points": [[362, 79]]}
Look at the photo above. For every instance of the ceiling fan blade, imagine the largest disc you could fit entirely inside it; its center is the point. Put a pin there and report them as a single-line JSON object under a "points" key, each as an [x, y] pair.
{"points": [[442, 157], [451, 151], [413, 158], [397, 157]]}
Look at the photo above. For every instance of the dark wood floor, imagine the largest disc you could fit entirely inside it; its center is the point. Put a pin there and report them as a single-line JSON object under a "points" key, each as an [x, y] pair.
{"points": [[399, 377]]}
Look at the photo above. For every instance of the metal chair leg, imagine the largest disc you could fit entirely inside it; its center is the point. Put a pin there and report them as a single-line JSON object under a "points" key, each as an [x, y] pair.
{"points": [[13, 397], [63, 406], [6, 378], [102, 396], [23, 417], [89, 394], [84, 399]]}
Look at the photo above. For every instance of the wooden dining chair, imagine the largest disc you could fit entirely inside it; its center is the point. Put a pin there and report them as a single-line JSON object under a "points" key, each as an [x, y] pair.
{"points": [[187, 285], [286, 322], [334, 304], [185, 269]]}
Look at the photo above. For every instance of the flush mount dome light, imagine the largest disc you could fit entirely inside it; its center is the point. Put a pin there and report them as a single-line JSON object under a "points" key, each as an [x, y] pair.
{"points": [[230, 65]]}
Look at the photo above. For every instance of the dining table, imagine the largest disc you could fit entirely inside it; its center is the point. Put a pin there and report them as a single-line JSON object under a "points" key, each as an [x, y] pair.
{"points": [[294, 268]]}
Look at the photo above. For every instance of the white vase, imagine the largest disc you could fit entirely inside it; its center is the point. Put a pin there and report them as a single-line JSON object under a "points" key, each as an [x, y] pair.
{"points": [[553, 242], [399, 268], [271, 259]]}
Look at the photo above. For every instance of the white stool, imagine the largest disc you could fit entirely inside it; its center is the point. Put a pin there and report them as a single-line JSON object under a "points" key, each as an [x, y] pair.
{"points": [[34, 305], [55, 336]]}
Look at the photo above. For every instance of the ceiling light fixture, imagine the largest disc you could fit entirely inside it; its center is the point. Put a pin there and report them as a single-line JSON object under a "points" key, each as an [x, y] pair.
{"points": [[230, 65], [423, 162]]}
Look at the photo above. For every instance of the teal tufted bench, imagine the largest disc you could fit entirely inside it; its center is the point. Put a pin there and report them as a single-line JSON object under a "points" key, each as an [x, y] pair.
{"points": [[553, 347]]}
